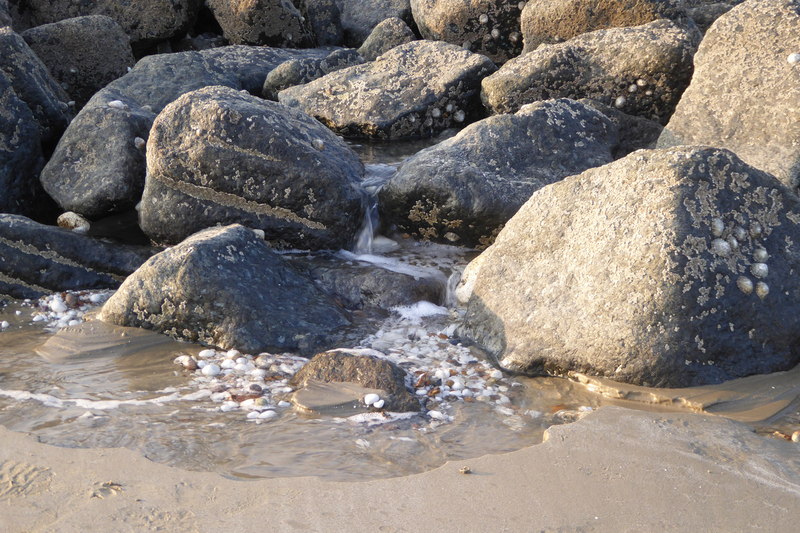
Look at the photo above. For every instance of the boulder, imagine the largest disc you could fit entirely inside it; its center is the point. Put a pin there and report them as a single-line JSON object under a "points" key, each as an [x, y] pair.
{"points": [[751, 105], [36, 259], [386, 35], [20, 153], [640, 70], [359, 17], [555, 21], [302, 71], [705, 12], [488, 27], [226, 287], [5, 15], [672, 267], [262, 22], [414, 90], [34, 85], [635, 133], [367, 371], [217, 156], [83, 54], [325, 20], [462, 190]]}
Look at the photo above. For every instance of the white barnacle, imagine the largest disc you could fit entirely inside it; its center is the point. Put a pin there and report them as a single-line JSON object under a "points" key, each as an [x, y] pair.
{"points": [[717, 227], [793, 59], [514, 36], [641, 82], [648, 92], [762, 289], [619, 102], [720, 247], [739, 233], [139, 143], [755, 229], [760, 254], [484, 18], [436, 113], [495, 33], [459, 116], [319, 144], [521, 6], [744, 284], [449, 108], [759, 270], [632, 88], [734, 244]]}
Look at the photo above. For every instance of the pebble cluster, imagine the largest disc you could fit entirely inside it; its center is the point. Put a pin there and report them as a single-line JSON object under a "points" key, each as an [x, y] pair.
{"points": [[64, 309]]}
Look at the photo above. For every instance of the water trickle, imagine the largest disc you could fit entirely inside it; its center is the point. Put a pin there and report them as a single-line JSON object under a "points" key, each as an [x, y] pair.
{"points": [[376, 176], [450, 288]]}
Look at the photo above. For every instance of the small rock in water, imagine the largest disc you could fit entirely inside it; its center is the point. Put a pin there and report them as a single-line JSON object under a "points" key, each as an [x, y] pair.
{"points": [[58, 306], [267, 415], [207, 353], [211, 370]]}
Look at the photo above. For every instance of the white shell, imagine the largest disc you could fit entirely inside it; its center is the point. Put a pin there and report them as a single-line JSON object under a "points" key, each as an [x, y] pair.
{"points": [[459, 116], [717, 227], [619, 102], [762, 289], [759, 270], [744, 284], [484, 18], [760, 255], [720, 248], [739, 233]]}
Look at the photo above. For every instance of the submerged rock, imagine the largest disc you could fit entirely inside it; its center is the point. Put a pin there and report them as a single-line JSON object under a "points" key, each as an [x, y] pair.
{"points": [[641, 70], [262, 22], [745, 93], [462, 190], [388, 34], [669, 267], [226, 287], [36, 259], [414, 90]]}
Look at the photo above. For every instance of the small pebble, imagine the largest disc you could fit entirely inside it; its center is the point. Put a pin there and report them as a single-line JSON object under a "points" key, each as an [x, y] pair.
{"points": [[4, 324], [465, 470], [370, 399], [207, 353], [267, 415], [211, 370], [379, 404]]}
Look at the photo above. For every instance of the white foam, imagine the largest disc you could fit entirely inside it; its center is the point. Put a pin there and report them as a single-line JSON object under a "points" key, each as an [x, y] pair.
{"points": [[393, 265], [416, 312]]}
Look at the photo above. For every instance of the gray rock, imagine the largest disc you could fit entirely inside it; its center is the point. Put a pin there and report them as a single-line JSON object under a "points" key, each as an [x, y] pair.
{"points": [[34, 85], [365, 370], [414, 90], [226, 287], [635, 133], [217, 156], [145, 21], [705, 12], [5, 15], [555, 21], [20, 153], [359, 17], [36, 259], [462, 190], [262, 22], [751, 105], [488, 27], [83, 54], [641, 70], [386, 35], [671, 267], [325, 20], [302, 71]]}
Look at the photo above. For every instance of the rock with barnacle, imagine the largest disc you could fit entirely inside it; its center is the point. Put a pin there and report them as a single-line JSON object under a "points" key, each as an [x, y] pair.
{"points": [[386, 35], [751, 105], [301, 71], [262, 22], [671, 267]]}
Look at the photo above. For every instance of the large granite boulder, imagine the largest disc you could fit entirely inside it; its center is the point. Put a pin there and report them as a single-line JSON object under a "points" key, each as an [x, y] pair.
{"points": [[359, 17], [414, 90], [641, 70], [672, 267], [488, 27], [462, 190], [226, 287], [34, 85], [217, 156], [36, 259], [20, 153], [83, 54], [554, 21], [302, 71], [262, 22], [752, 105], [385, 36]]}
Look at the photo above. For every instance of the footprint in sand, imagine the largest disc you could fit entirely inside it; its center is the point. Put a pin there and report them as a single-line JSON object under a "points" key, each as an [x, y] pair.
{"points": [[22, 479], [104, 490]]}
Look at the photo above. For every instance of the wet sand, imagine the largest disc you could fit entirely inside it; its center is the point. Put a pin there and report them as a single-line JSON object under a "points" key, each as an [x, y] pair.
{"points": [[615, 470]]}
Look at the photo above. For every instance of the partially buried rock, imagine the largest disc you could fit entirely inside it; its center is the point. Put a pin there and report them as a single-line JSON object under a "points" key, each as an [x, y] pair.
{"points": [[217, 156], [226, 287], [301, 71], [671, 267], [414, 90], [752, 105], [464, 189], [386, 35], [262, 22], [36, 259], [640, 70], [367, 371]]}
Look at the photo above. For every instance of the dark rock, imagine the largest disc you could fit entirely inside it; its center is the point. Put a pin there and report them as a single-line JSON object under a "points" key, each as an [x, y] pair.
{"points": [[34, 85], [302, 71], [555, 21], [751, 105], [325, 20], [671, 267], [386, 35], [641, 70], [262, 22], [414, 90], [635, 133], [462, 190], [293, 178], [365, 370], [226, 287], [705, 12], [5, 15], [20, 153], [36, 259], [488, 27], [359, 17], [83, 54]]}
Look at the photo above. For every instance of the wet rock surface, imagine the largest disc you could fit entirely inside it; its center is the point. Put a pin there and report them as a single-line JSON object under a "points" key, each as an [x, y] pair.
{"points": [[226, 287], [665, 268], [302, 71], [462, 190], [414, 90], [750, 106], [385, 36], [262, 22], [640, 70]]}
